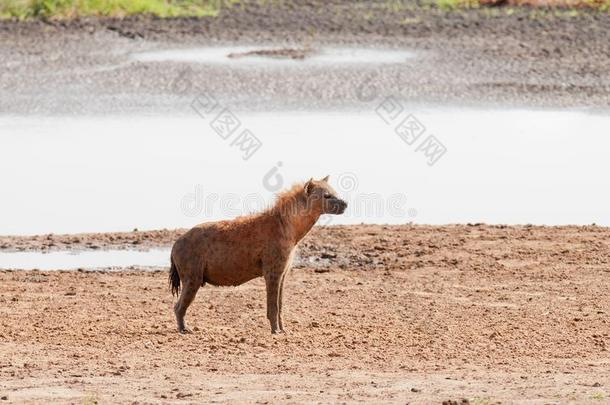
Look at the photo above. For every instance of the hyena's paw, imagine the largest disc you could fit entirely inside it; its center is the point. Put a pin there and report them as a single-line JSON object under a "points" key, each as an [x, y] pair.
{"points": [[185, 331]]}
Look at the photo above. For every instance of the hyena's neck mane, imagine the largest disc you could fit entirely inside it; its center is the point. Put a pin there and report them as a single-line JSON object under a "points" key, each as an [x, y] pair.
{"points": [[293, 212]]}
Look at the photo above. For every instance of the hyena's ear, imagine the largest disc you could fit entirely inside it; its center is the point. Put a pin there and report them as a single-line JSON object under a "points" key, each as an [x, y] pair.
{"points": [[325, 179], [308, 186]]}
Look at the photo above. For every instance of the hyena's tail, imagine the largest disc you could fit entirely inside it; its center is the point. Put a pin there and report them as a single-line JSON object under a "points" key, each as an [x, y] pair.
{"points": [[174, 278]]}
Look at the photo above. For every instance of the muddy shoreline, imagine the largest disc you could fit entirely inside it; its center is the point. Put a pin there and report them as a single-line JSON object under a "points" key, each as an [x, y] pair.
{"points": [[372, 246], [518, 56]]}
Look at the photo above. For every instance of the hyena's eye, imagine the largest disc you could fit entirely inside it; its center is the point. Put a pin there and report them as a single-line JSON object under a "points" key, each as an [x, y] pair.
{"points": [[328, 195]]}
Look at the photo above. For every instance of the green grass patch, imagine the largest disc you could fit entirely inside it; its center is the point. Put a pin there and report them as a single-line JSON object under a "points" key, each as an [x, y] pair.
{"points": [[456, 4], [24, 9]]}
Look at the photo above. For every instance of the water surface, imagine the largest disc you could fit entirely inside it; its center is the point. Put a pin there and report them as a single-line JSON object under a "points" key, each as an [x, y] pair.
{"points": [[91, 260], [115, 173]]}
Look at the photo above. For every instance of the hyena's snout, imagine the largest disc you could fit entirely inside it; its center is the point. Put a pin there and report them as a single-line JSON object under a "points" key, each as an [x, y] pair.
{"points": [[338, 207]]}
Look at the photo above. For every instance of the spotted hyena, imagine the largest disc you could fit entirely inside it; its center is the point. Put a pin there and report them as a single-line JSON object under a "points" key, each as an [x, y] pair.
{"points": [[230, 253]]}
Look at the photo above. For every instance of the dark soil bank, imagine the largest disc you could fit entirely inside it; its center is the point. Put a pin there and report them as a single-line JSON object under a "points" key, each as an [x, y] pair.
{"points": [[507, 56]]}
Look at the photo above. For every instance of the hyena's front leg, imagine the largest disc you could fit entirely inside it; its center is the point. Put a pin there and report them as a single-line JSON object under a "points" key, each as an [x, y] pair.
{"points": [[281, 300], [272, 281]]}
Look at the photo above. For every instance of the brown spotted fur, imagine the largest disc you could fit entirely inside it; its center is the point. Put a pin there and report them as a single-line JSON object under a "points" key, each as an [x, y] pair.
{"points": [[230, 253]]}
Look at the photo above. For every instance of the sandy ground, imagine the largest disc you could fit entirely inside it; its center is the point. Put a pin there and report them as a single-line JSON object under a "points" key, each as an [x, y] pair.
{"points": [[402, 314]]}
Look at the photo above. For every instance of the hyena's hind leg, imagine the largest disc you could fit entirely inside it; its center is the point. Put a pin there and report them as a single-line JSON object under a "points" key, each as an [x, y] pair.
{"points": [[187, 295]]}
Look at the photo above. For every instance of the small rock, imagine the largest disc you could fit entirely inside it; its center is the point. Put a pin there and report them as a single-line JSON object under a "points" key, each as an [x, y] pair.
{"points": [[415, 389]]}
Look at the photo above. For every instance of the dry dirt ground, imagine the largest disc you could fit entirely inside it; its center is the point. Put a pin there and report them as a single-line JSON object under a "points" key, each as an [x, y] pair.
{"points": [[401, 314]]}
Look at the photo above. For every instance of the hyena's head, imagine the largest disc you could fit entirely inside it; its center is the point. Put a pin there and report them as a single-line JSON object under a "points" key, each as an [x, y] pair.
{"points": [[323, 198]]}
